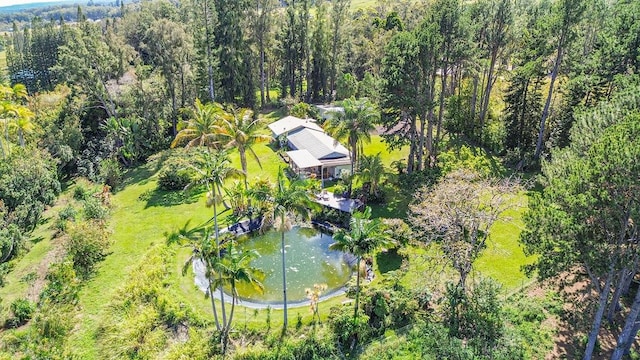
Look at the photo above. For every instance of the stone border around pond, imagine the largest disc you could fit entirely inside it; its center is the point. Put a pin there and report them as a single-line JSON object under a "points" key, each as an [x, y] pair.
{"points": [[248, 226]]}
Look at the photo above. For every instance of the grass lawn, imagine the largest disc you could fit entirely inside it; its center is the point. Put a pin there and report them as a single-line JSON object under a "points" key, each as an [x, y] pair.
{"points": [[142, 216], [501, 260]]}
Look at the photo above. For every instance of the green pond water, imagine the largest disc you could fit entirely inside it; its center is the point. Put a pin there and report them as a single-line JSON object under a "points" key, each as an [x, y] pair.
{"points": [[308, 259]]}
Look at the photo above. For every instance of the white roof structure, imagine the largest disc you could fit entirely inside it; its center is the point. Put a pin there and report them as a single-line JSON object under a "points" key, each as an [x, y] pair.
{"points": [[337, 202], [303, 159], [326, 111], [292, 123], [320, 145]]}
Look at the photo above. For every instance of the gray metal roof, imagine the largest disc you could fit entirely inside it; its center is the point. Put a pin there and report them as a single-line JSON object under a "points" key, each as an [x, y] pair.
{"points": [[303, 159], [319, 144], [292, 123]]}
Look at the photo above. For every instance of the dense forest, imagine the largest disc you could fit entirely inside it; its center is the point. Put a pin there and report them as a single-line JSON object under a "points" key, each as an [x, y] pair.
{"points": [[495, 144]]}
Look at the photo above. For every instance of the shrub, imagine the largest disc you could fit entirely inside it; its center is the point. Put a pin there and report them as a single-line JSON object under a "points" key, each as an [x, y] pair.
{"points": [[80, 192], [466, 157], [347, 332], [68, 213], [174, 178], [94, 210], [62, 284], [176, 174], [22, 310], [86, 246], [110, 172]]}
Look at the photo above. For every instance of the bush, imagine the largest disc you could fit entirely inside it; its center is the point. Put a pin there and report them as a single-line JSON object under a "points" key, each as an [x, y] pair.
{"points": [[94, 210], [347, 332], [174, 177], [317, 345], [110, 172], [62, 284], [86, 246], [80, 192], [470, 158], [22, 310], [68, 213]]}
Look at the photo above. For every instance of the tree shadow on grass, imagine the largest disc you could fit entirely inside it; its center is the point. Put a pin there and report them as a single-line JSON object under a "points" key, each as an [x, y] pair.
{"points": [[143, 173], [388, 261], [157, 197]]}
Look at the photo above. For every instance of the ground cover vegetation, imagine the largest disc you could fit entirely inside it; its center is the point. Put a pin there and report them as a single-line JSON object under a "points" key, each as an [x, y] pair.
{"points": [[486, 138]]}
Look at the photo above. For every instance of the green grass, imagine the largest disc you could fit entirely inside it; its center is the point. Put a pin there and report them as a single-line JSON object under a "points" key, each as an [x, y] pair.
{"points": [[503, 256], [377, 145], [361, 4], [141, 217], [501, 260], [15, 287]]}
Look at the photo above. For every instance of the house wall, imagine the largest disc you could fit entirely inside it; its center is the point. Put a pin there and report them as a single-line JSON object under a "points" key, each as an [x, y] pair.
{"points": [[337, 171]]}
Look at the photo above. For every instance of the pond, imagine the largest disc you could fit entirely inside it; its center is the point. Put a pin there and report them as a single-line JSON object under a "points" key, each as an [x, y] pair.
{"points": [[308, 259]]}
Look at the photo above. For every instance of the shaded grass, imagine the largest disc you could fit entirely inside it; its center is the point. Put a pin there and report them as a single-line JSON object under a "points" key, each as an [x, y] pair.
{"points": [[501, 260], [503, 257]]}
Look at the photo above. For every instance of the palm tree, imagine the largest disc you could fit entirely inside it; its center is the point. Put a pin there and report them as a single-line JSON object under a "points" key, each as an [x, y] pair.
{"points": [[240, 130], [354, 125], [289, 199], [199, 239], [23, 123], [214, 169], [364, 236], [235, 268], [203, 126], [371, 171]]}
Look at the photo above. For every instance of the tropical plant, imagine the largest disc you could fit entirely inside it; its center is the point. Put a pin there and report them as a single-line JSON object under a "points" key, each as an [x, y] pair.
{"points": [[289, 199], [364, 236], [238, 129], [354, 125], [233, 268], [213, 170], [371, 172], [14, 114], [203, 127]]}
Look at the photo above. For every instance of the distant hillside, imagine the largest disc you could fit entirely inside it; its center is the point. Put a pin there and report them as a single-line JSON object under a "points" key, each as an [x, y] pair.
{"points": [[27, 7], [58, 9]]}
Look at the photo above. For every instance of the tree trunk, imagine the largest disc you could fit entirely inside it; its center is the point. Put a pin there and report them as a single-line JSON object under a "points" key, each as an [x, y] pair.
{"points": [[443, 87], [355, 312], [174, 110], [484, 107], [627, 334], [208, 47], [284, 275], [213, 305], [474, 97], [422, 144], [597, 321], [243, 165], [614, 304], [225, 332], [215, 227], [545, 111], [262, 75]]}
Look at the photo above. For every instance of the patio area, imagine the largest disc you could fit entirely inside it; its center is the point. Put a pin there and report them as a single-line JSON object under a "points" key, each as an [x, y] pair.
{"points": [[334, 201]]}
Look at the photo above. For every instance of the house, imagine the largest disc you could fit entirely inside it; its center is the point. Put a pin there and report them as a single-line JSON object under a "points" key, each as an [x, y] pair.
{"points": [[312, 152], [328, 111], [291, 123]]}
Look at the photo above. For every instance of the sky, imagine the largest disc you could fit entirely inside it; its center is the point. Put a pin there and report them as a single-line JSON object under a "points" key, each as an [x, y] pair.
{"points": [[16, 2]]}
